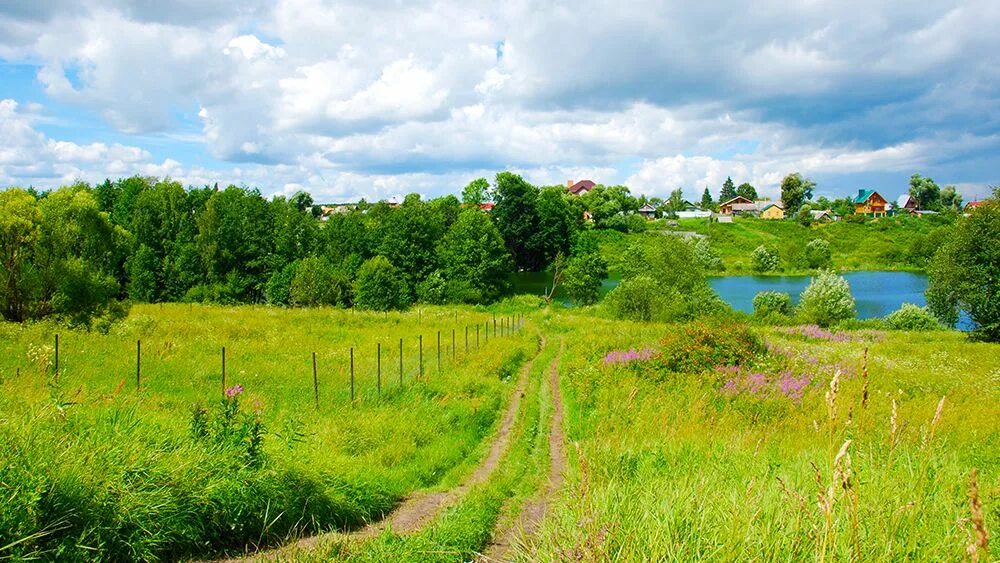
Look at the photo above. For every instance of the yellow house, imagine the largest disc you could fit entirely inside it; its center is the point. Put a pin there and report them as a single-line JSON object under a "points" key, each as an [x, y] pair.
{"points": [[772, 211]]}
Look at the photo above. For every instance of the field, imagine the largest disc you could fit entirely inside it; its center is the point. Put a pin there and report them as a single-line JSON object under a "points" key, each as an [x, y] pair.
{"points": [[901, 243], [575, 438]]}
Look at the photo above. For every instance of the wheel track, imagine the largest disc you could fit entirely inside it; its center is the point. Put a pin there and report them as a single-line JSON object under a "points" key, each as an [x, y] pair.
{"points": [[420, 507]]}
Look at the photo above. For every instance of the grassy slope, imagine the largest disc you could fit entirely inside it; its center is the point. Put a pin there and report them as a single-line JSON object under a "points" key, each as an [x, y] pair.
{"points": [[675, 470], [98, 470], [884, 244]]}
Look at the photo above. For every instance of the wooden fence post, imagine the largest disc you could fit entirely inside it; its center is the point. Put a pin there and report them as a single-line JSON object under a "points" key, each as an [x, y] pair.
{"points": [[138, 364], [400, 362], [466, 339], [453, 344], [57, 357], [420, 373], [352, 375], [378, 381], [315, 382], [223, 371], [477, 336], [439, 352]]}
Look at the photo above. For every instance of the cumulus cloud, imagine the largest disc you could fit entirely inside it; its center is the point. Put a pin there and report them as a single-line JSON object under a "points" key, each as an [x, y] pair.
{"points": [[366, 98]]}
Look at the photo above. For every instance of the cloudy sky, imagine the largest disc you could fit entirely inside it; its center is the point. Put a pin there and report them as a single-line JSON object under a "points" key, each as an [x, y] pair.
{"points": [[381, 98]]}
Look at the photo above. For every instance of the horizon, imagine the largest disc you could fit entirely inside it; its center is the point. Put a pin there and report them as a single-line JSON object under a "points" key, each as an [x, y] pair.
{"points": [[309, 96]]}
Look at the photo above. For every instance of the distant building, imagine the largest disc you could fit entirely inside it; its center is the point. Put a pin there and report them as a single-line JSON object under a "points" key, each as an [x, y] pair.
{"points": [[579, 188], [647, 211], [772, 211], [737, 205], [973, 205], [869, 202], [906, 204], [822, 215]]}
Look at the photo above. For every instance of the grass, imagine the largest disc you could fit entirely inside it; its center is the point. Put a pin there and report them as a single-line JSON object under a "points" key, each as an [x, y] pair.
{"points": [[672, 468], [98, 470], [884, 244]]}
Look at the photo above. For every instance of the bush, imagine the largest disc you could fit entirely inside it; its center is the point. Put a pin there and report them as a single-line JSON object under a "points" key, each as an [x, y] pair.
{"points": [[767, 303], [641, 299], [818, 253], [912, 317], [317, 283], [433, 290], [276, 291], [380, 286], [702, 347], [583, 278], [707, 256], [764, 260], [827, 300]]}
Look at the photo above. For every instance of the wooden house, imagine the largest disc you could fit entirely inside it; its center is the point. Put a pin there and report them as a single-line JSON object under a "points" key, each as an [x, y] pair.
{"points": [[869, 202], [579, 188], [738, 204], [772, 211], [647, 211]]}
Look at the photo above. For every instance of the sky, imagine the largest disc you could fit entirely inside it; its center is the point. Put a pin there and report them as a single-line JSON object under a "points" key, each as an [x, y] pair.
{"points": [[381, 98]]}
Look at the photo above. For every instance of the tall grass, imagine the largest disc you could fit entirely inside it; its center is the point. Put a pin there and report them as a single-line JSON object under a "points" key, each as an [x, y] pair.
{"points": [[90, 468]]}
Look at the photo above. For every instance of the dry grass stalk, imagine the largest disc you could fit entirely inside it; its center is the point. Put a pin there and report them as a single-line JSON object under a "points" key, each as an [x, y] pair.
{"points": [[979, 546], [864, 385], [792, 495]]}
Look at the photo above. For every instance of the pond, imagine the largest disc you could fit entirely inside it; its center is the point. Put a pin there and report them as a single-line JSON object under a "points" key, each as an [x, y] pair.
{"points": [[877, 293]]}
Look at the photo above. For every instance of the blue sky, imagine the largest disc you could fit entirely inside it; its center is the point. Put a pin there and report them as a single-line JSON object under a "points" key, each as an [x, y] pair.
{"points": [[379, 99]]}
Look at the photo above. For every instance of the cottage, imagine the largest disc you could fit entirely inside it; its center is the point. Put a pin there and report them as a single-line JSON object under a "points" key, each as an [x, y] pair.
{"points": [[647, 211], [822, 215], [869, 202], [772, 211], [738, 204], [906, 204], [579, 188]]}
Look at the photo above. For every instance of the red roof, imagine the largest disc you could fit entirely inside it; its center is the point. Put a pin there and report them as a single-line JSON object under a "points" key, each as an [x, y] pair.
{"points": [[582, 185], [975, 204], [486, 206]]}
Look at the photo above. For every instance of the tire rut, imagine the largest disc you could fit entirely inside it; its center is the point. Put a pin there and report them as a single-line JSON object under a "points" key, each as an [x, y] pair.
{"points": [[533, 512], [420, 507]]}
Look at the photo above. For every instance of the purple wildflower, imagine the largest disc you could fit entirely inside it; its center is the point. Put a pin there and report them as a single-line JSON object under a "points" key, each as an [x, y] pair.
{"points": [[234, 391], [627, 356]]}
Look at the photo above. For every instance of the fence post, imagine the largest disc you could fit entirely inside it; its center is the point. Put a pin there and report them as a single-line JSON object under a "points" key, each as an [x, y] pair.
{"points": [[466, 339], [400, 362], [223, 371], [352, 375], [378, 381], [420, 373], [477, 336], [487, 332], [138, 364], [494, 325], [57, 356], [315, 382], [453, 343], [439, 352]]}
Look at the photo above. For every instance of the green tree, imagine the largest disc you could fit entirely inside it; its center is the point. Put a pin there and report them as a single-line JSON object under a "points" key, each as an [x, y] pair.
{"points": [[380, 287], [963, 273], [473, 254], [770, 303], [556, 224], [926, 192], [516, 217], [795, 190], [827, 300], [728, 190], [950, 198], [316, 282], [818, 253], [762, 259], [706, 200], [20, 221], [476, 192], [583, 277], [676, 201], [747, 190], [408, 238]]}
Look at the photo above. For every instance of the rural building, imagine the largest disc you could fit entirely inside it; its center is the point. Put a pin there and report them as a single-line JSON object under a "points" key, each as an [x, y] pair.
{"points": [[737, 205], [579, 188], [973, 205], [906, 204], [772, 211], [647, 211], [822, 215], [869, 202]]}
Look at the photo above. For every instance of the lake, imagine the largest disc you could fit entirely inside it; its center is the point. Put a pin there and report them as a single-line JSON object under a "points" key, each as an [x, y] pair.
{"points": [[877, 293]]}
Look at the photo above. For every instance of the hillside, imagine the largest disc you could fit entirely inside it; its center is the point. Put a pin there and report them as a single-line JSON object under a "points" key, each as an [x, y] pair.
{"points": [[899, 243]]}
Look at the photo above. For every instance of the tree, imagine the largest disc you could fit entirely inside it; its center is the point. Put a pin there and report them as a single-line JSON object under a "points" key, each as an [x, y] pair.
{"points": [[472, 254], [583, 277], [408, 238], [476, 192], [763, 259], [818, 253], [827, 300], [380, 287], [728, 190], [963, 274], [706, 200], [676, 201], [768, 303], [556, 224], [316, 282], [516, 217], [20, 221], [926, 193], [795, 190], [950, 198], [747, 190]]}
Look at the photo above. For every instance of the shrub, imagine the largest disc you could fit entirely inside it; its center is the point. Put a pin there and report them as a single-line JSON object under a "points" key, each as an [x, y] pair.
{"points": [[912, 317], [317, 283], [767, 303], [639, 299], [380, 286], [818, 253], [433, 290], [276, 291], [827, 300], [701, 347], [707, 256], [764, 260], [583, 277]]}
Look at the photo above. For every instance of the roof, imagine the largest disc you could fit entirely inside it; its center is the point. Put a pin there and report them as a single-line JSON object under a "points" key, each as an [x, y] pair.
{"points": [[744, 206], [581, 186], [975, 204], [737, 199], [770, 205], [904, 200], [486, 206], [820, 213], [647, 208], [864, 195]]}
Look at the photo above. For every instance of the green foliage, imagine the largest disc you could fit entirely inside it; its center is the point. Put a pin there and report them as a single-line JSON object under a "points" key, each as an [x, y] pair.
{"points": [[278, 287], [728, 190], [926, 192], [963, 274], [827, 300], [20, 280], [709, 259], [317, 282], [380, 286], [951, 199], [583, 277], [818, 253], [516, 217], [472, 254], [476, 192], [706, 200], [763, 259], [912, 317], [747, 190], [768, 303], [701, 347], [795, 189]]}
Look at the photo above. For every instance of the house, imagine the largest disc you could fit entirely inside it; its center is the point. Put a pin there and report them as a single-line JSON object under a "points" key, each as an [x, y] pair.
{"points": [[647, 211], [869, 202], [487, 207], [772, 211], [822, 215], [973, 205], [738, 204], [579, 188], [906, 204]]}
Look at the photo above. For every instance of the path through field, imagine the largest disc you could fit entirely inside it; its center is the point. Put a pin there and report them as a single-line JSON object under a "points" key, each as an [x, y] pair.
{"points": [[421, 507], [531, 515]]}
